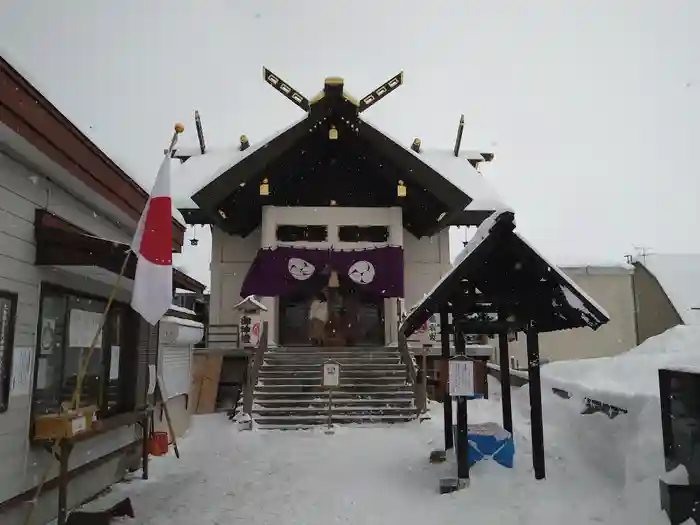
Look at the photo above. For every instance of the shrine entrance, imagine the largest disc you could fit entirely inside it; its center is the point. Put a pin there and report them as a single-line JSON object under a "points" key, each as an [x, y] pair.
{"points": [[339, 316]]}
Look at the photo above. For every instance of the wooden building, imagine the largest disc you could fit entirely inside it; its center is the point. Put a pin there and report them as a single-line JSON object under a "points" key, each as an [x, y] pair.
{"points": [[67, 214]]}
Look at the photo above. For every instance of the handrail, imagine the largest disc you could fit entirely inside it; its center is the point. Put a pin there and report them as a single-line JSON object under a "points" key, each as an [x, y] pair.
{"points": [[411, 373], [407, 359], [254, 370]]}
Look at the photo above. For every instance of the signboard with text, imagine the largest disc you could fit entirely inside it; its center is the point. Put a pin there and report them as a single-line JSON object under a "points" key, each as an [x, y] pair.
{"points": [[331, 374], [461, 377]]}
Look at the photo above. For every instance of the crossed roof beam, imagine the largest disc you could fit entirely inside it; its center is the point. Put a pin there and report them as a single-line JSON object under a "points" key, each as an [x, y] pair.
{"points": [[295, 96]]}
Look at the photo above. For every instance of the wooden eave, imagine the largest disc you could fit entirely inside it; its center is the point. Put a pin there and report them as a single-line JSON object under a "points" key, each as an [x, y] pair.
{"points": [[26, 111], [60, 243], [517, 281]]}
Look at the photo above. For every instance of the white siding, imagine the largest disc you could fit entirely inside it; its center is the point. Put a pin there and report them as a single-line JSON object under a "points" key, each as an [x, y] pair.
{"points": [[426, 259], [21, 193]]}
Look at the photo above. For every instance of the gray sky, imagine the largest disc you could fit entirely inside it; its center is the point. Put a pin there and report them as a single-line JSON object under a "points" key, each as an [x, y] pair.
{"points": [[592, 107]]}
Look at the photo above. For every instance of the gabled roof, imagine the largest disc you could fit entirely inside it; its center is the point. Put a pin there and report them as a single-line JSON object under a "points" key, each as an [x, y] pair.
{"points": [[679, 277], [453, 180], [504, 267]]}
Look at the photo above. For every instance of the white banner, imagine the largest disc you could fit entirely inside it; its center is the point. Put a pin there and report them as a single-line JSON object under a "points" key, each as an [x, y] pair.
{"points": [[83, 327]]}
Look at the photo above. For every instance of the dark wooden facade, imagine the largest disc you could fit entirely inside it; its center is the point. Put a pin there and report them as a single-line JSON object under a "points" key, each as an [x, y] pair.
{"points": [[500, 285]]}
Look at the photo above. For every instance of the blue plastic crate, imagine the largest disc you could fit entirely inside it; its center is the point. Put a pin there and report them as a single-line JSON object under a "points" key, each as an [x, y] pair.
{"points": [[490, 440]]}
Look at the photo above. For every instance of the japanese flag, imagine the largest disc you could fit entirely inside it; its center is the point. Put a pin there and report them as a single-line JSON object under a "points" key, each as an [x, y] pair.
{"points": [[153, 284]]}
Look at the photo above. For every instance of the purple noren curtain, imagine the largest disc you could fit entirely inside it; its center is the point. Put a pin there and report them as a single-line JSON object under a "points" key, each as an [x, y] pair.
{"points": [[284, 270]]}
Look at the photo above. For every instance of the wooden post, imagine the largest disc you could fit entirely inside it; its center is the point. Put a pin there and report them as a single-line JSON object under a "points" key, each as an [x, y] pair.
{"points": [[424, 366], [534, 384], [504, 365], [145, 424], [66, 447], [444, 358], [462, 436]]}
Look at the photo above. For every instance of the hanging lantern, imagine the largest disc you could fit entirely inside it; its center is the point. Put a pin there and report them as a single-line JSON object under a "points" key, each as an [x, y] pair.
{"points": [[401, 189], [333, 281], [333, 133], [264, 187]]}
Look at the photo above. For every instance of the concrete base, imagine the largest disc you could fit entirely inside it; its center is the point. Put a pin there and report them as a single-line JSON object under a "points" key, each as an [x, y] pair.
{"points": [[448, 485], [438, 456]]}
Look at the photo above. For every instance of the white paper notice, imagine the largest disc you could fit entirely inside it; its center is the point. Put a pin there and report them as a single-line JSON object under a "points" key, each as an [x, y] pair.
{"points": [[114, 363], [461, 378], [151, 379], [42, 373], [83, 327], [21, 384], [331, 374]]}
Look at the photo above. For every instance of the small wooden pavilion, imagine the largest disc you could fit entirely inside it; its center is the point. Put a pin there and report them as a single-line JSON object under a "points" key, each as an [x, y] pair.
{"points": [[500, 284]]}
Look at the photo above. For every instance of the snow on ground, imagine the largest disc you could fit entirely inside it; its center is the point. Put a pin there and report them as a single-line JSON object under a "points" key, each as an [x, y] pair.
{"points": [[381, 475]]}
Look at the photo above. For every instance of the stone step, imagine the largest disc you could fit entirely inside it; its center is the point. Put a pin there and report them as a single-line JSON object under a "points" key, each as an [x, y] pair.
{"points": [[339, 419], [333, 355], [344, 380], [321, 411], [318, 374], [331, 349], [320, 388], [318, 361], [276, 394], [337, 402], [302, 367]]}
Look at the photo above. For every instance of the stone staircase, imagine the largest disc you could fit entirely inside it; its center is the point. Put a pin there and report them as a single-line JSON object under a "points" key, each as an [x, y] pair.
{"points": [[373, 389]]}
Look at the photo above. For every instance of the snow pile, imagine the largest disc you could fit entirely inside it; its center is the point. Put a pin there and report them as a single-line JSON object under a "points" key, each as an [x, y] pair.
{"points": [[627, 451], [632, 376]]}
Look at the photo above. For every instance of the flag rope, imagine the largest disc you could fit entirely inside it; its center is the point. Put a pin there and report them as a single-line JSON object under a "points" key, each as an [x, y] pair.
{"points": [[75, 398]]}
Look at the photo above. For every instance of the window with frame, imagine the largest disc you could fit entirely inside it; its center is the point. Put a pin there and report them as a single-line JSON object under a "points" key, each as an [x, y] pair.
{"points": [[363, 233], [68, 324], [8, 317], [296, 233]]}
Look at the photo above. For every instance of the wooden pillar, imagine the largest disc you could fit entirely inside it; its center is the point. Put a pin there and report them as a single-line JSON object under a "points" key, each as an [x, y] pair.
{"points": [[462, 445], [506, 402], [534, 385], [481, 383], [444, 359]]}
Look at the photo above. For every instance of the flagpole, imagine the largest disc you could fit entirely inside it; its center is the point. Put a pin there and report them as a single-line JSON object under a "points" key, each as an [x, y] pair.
{"points": [[75, 401]]}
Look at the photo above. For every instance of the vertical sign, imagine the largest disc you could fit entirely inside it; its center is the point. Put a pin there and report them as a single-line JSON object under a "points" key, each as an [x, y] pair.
{"points": [[461, 377], [331, 374], [8, 304]]}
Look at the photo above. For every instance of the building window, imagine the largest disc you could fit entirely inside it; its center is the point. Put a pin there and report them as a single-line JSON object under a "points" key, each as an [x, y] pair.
{"points": [[8, 315], [68, 323], [363, 233], [295, 233]]}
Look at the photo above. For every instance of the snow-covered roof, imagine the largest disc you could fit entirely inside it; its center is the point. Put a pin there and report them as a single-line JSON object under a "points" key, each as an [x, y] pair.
{"points": [[577, 299], [250, 302], [201, 169], [679, 277], [460, 172]]}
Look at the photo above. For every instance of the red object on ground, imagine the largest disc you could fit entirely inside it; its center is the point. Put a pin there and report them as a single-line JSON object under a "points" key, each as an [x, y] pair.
{"points": [[159, 444]]}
